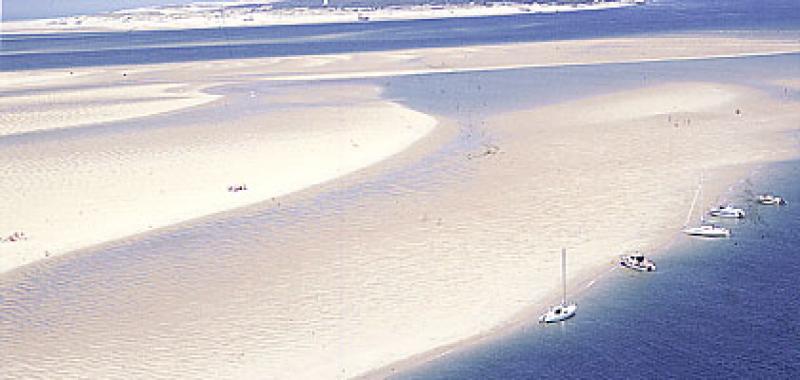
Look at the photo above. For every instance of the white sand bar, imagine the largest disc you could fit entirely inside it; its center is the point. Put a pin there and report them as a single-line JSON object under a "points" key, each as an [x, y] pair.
{"points": [[476, 58], [528, 55], [402, 273], [598, 176], [66, 195], [86, 106]]}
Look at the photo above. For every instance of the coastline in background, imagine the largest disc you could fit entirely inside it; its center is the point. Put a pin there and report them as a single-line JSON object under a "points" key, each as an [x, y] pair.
{"points": [[775, 19], [263, 13]]}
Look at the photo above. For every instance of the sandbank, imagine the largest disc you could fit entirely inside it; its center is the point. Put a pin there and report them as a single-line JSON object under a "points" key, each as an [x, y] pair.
{"points": [[410, 270], [599, 176], [108, 187], [540, 54], [69, 108], [424, 268], [405, 62]]}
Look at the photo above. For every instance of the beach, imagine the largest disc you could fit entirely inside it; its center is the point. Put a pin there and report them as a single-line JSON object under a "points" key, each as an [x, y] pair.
{"points": [[364, 220]]}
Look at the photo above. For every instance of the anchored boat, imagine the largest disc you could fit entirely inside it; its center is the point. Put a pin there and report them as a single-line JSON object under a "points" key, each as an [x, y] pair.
{"points": [[770, 200], [637, 262], [565, 310], [705, 229], [728, 211], [708, 230]]}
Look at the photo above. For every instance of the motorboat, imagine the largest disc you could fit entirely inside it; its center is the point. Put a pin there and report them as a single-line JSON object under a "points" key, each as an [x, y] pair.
{"points": [[727, 211], [559, 313], [637, 262], [770, 200], [565, 310], [708, 230]]}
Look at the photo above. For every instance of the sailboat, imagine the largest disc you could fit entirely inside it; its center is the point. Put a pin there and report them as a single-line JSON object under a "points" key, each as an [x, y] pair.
{"points": [[563, 311], [705, 229]]}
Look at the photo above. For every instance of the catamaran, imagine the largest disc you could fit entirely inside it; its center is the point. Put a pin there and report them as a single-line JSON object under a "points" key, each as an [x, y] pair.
{"points": [[637, 262], [769, 200], [563, 311], [705, 229]]}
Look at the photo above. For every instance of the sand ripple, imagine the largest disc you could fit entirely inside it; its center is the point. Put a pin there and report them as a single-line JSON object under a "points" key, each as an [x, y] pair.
{"points": [[331, 282]]}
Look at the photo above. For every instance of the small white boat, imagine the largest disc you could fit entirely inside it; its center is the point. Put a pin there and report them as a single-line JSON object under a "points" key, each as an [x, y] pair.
{"points": [[727, 211], [770, 200], [637, 262], [565, 310], [708, 230], [559, 313]]}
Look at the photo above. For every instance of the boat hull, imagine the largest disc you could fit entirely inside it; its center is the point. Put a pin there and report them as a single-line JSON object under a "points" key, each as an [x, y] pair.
{"points": [[708, 234], [727, 214], [771, 201], [638, 268]]}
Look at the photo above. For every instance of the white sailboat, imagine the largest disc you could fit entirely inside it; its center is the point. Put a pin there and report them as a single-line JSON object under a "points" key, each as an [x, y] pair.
{"points": [[563, 311], [705, 229]]}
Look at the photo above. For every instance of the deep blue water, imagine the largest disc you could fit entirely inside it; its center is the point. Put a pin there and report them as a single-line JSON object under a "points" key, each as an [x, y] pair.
{"points": [[139, 47], [714, 309]]}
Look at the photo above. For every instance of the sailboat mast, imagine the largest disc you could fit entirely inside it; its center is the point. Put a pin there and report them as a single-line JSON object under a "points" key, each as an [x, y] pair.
{"points": [[697, 195], [691, 209], [702, 204], [564, 274]]}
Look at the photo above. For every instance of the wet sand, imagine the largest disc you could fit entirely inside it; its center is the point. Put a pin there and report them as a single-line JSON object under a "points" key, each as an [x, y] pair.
{"points": [[489, 57], [49, 100]]}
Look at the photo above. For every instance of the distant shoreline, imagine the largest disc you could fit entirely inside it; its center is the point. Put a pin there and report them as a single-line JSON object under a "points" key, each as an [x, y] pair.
{"points": [[247, 14]]}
